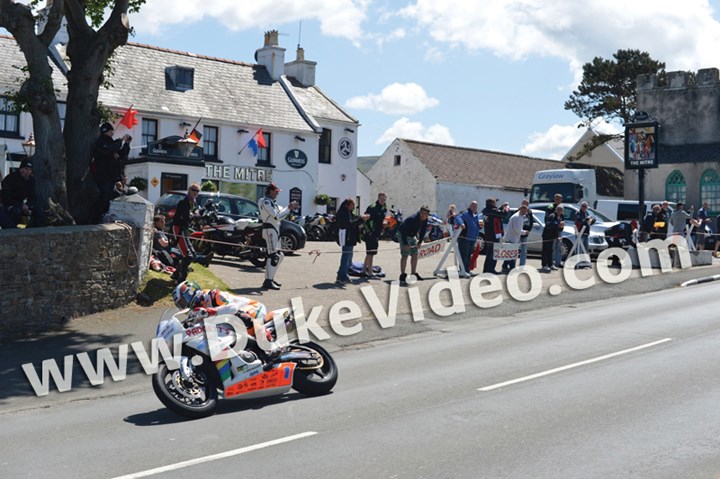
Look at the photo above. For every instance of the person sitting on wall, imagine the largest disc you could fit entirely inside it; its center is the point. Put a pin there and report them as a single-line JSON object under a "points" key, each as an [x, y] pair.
{"points": [[108, 164], [18, 195]]}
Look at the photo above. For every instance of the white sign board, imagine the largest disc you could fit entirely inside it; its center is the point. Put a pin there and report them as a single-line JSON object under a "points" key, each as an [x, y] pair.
{"points": [[506, 251], [431, 249]]}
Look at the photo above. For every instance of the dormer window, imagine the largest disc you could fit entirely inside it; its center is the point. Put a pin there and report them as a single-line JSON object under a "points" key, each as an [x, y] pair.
{"points": [[179, 78]]}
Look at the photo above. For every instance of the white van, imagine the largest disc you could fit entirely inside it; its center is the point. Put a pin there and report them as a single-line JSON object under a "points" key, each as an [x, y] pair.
{"points": [[625, 210]]}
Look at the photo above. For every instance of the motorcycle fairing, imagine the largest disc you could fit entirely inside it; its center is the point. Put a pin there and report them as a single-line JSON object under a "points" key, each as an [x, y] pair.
{"points": [[275, 381]]}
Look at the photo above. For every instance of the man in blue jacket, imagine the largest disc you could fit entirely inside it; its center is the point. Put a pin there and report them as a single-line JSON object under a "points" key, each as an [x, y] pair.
{"points": [[469, 221]]}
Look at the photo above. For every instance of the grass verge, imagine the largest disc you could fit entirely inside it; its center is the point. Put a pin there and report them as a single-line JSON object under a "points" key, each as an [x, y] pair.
{"points": [[159, 287]]}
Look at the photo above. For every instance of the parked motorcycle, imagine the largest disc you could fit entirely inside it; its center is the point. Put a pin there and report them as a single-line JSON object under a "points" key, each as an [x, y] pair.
{"points": [[228, 237], [193, 386], [315, 227], [435, 228], [391, 224]]}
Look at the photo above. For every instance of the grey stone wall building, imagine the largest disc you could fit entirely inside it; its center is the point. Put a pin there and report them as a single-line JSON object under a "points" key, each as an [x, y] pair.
{"points": [[688, 111]]}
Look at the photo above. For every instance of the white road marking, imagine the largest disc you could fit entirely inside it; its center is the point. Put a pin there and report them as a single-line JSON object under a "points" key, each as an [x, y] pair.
{"points": [[215, 457], [574, 365]]}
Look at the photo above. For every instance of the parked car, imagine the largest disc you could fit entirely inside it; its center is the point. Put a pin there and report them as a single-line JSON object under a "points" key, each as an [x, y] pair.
{"points": [[596, 240], [292, 235]]}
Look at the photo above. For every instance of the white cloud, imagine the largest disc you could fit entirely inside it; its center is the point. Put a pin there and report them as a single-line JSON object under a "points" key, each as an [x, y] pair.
{"points": [[404, 128], [683, 34], [395, 99], [554, 142], [338, 18]]}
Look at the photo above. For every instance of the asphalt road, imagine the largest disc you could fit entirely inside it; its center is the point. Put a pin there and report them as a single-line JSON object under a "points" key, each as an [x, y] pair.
{"points": [[626, 390]]}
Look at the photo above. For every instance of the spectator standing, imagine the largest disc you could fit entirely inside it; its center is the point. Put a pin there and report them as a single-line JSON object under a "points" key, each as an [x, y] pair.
{"points": [[515, 231], [184, 211], [583, 219], [348, 224], [557, 246], [554, 224], [679, 218], [412, 232], [651, 226], [272, 215], [18, 195], [703, 219], [373, 229], [108, 164], [492, 218], [528, 221], [469, 221]]}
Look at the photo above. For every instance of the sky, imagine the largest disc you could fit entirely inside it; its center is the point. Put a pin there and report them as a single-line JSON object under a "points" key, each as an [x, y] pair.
{"points": [[489, 74]]}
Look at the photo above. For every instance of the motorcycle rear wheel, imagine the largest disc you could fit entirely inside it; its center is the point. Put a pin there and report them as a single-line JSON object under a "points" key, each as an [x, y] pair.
{"points": [[317, 381], [192, 399]]}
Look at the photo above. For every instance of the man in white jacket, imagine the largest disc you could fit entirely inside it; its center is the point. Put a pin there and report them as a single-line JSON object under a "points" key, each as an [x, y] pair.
{"points": [[271, 214], [513, 233]]}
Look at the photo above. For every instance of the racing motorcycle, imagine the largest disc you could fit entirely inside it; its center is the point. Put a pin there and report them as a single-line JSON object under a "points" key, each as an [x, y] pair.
{"points": [[391, 224], [192, 384], [228, 237]]}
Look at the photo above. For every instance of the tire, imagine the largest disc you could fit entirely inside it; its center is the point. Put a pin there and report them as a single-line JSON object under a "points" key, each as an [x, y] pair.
{"points": [[205, 386], [316, 382], [200, 246], [565, 248], [316, 233], [288, 243]]}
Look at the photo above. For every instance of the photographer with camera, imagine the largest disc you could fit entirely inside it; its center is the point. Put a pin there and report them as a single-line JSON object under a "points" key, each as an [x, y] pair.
{"points": [[108, 164]]}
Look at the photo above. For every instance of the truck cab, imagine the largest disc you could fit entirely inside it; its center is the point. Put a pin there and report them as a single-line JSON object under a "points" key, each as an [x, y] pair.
{"points": [[574, 185]]}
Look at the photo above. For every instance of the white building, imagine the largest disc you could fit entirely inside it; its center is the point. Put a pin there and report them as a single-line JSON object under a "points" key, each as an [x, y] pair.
{"points": [[414, 173], [311, 142]]}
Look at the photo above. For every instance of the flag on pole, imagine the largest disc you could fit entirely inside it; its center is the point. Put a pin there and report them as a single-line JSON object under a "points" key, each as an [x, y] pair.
{"points": [[129, 120], [195, 135], [254, 145]]}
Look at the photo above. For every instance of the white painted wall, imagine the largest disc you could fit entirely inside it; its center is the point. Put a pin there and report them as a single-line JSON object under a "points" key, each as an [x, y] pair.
{"points": [[364, 191], [339, 178], [462, 194], [407, 186]]}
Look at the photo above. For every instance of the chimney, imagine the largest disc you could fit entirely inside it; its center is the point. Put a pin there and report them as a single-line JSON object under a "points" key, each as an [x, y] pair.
{"points": [[302, 70], [61, 37], [271, 55]]}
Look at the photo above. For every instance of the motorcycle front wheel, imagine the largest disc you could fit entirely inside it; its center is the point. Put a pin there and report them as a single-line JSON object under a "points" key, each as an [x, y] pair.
{"points": [[194, 397], [314, 377]]}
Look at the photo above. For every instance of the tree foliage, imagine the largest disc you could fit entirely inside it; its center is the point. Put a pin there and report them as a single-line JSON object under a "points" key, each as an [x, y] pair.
{"points": [[608, 87]]}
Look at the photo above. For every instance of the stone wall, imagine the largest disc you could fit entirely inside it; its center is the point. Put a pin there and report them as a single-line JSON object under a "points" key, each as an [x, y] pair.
{"points": [[50, 275]]}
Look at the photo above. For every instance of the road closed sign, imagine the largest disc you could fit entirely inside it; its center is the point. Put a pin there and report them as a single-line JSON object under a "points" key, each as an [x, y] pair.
{"points": [[506, 251], [431, 249]]}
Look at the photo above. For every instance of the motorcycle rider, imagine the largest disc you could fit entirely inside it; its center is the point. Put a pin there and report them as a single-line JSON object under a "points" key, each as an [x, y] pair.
{"points": [[205, 303], [271, 215]]}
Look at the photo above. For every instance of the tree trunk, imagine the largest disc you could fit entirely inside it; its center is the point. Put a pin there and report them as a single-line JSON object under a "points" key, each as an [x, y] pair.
{"points": [[81, 130], [38, 94], [88, 51]]}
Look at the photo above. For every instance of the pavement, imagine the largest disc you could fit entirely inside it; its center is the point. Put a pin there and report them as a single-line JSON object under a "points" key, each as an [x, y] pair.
{"points": [[308, 280]]}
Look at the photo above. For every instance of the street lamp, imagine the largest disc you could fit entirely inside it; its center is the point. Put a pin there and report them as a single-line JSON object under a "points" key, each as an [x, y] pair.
{"points": [[29, 146], [186, 145]]}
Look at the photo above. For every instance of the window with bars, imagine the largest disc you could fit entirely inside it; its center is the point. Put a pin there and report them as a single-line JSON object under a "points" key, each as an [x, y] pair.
{"points": [[263, 157], [9, 118], [210, 142], [710, 190], [675, 187], [325, 146], [149, 131]]}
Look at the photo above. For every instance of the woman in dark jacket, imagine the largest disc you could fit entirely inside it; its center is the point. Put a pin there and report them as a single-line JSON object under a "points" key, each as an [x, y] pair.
{"points": [[348, 224]]}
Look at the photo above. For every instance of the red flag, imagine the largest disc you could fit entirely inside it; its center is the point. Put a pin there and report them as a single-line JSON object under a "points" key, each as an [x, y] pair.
{"points": [[261, 139], [195, 135], [129, 120]]}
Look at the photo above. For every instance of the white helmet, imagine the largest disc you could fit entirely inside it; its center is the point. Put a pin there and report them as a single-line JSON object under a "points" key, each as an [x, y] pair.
{"points": [[186, 294]]}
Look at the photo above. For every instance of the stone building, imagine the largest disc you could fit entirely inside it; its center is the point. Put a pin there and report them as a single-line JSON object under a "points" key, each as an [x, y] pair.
{"points": [[413, 173], [688, 111]]}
